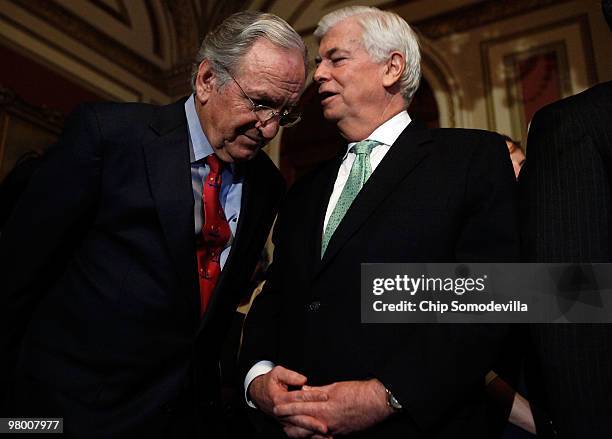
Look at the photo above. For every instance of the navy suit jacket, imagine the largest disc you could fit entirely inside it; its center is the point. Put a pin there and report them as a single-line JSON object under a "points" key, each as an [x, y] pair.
{"points": [[100, 300], [566, 200], [437, 196]]}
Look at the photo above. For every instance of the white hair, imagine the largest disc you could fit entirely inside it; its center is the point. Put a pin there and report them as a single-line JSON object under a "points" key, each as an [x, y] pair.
{"points": [[226, 45], [383, 32]]}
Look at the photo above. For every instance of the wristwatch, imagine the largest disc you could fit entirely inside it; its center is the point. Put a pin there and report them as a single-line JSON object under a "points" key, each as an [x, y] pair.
{"points": [[393, 402]]}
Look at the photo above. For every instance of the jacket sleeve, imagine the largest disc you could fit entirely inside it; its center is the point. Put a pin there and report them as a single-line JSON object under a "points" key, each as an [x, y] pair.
{"points": [[259, 341], [44, 225]]}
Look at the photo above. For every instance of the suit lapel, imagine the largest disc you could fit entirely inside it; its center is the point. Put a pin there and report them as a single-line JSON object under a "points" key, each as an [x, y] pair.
{"points": [[403, 156], [321, 191], [169, 173]]}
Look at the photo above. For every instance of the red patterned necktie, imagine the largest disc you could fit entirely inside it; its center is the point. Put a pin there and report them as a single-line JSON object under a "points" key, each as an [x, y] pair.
{"points": [[215, 233]]}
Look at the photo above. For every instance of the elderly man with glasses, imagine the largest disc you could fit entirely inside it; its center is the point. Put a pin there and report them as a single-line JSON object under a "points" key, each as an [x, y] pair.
{"points": [[125, 259]]}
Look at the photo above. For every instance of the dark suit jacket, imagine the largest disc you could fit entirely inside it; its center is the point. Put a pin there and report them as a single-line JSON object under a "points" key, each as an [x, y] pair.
{"points": [[438, 196], [567, 217], [114, 342]]}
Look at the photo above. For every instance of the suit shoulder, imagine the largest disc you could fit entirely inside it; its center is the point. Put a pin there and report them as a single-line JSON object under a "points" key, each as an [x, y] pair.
{"points": [[114, 119], [104, 109], [466, 139], [464, 147], [463, 134], [122, 112]]}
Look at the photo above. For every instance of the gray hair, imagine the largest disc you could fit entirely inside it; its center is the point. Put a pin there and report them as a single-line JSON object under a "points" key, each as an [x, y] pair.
{"points": [[383, 33], [225, 46]]}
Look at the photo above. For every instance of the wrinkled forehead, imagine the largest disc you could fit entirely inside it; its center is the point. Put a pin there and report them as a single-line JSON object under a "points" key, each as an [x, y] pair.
{"points": [[340, 42], [276, 75], [267, 57]]}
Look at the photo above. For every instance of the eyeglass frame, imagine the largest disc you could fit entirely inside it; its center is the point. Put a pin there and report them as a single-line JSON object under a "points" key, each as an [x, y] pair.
{"points": [[258, 107]]}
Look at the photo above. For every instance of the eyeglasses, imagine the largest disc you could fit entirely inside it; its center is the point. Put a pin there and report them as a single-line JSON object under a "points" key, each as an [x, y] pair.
{"points": [[265, 114]]}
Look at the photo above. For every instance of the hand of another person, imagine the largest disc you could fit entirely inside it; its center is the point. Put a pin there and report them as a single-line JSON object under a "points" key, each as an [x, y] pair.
{"points": [[351, 406], [271, 390]]}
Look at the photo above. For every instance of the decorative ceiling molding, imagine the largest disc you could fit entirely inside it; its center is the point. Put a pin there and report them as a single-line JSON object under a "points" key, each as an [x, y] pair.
{"points": [[189, 21], [189, 34], [463, 18], [73, 25], [479, 14], [178, 26], [186, 28], [63, 51], [178, 80], [121, 14], [155, 29]]}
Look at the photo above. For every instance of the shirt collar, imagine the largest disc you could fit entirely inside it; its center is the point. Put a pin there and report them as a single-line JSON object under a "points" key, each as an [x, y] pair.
{"points": [[388, 132], [200, 147]]}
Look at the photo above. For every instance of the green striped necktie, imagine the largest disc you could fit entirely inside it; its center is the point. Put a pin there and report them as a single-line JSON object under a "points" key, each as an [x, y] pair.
{"points": [[360, 172]]}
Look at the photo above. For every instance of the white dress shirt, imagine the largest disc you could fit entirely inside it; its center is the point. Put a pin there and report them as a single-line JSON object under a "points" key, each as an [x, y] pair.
{"points": [[386, 134]]}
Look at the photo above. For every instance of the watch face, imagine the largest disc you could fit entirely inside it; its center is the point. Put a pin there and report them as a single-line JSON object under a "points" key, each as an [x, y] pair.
{"points": [[394, 403]]}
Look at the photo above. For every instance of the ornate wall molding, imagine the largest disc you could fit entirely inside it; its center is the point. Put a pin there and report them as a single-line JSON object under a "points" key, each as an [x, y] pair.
{"points": [[73, 25], [464, 18], [187, 30], [479, 14], [121, 15]]}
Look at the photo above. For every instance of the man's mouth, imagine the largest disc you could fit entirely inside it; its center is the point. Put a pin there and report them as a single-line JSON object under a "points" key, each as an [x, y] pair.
{"points": [[326, 96], [255, 143]]}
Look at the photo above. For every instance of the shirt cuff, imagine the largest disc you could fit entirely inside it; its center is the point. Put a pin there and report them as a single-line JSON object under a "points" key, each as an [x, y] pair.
{"points": [[260, 368]]}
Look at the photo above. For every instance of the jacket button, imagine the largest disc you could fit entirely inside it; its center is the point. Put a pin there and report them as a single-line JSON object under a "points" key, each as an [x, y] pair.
{"points": [[313, 306]]}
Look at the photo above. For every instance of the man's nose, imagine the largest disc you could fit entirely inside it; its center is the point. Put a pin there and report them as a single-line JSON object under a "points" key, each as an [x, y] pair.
{"points": [[269, 129], [321, 73]]}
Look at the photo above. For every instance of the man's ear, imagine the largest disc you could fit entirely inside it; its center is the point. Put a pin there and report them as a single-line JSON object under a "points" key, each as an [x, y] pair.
{"points": [[205, 81], [394, 68]]}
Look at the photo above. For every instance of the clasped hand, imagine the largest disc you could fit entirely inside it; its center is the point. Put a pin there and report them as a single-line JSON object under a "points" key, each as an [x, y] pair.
{"points": [[319, 412]]}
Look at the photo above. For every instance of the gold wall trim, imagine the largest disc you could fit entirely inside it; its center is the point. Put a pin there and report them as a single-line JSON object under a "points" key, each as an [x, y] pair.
{"points": [[479, 14], [70, 55], [122, 15], [466, 17], [102, 44]]}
